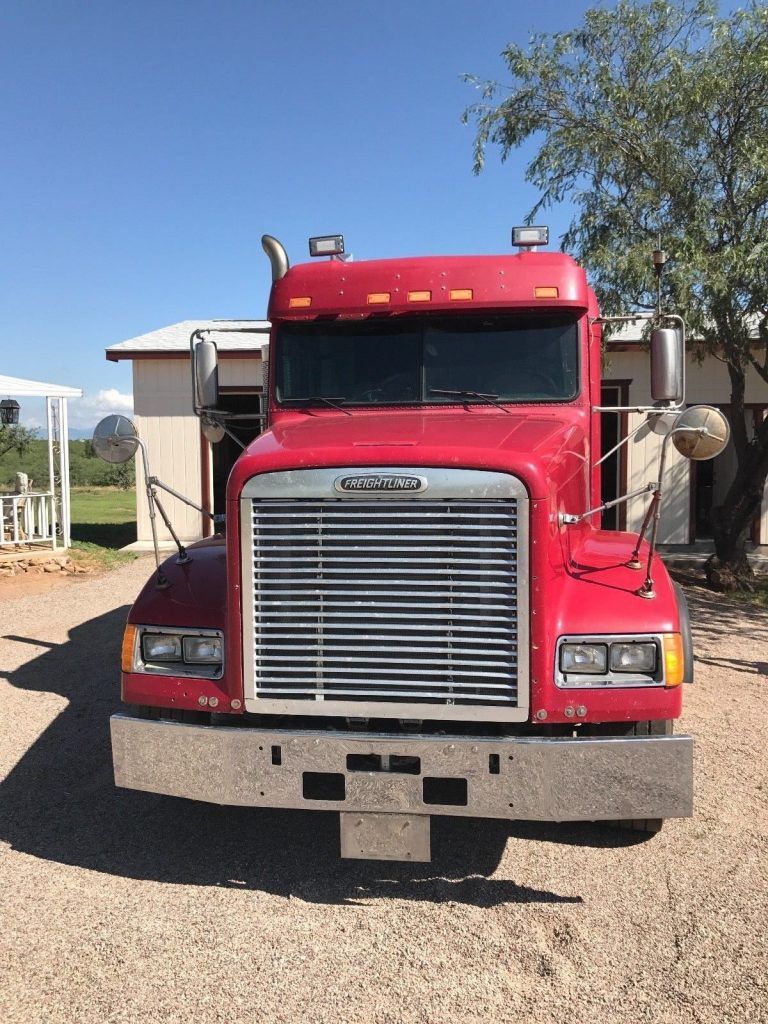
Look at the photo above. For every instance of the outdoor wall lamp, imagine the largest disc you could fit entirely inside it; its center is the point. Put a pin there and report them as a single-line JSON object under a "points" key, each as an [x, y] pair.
{"points": [[9, 411]]}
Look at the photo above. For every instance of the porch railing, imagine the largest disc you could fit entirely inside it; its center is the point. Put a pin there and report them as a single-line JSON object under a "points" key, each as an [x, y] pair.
{"points": [[27, 519]]}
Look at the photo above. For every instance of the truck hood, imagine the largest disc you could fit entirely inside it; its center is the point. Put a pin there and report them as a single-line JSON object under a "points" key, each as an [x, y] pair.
{"points": [[546, 449]]}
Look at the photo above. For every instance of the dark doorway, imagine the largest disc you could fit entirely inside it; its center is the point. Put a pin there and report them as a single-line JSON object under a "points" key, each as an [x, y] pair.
{"points": [[613, 476], [225, 453], [704, 489]]}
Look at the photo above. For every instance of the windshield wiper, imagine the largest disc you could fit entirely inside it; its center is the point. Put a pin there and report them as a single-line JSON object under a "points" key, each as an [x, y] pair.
{"points": [[490, 399], [334, 403]]}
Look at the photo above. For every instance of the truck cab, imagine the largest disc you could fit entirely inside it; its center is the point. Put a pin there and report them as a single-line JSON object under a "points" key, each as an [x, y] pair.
{"points": [[410, 613]]}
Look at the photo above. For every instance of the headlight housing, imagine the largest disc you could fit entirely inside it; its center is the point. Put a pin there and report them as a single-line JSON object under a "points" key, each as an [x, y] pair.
{"points": [[177, 651], [584, 658], [635, 656], [160, 647], [619, 661], [202, 650]]}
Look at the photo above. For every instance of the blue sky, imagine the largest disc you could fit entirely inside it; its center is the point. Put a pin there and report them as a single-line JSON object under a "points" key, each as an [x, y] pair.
{"points": [[150, 144]]}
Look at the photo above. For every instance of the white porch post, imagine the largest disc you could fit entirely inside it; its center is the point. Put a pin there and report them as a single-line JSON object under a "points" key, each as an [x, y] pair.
{"points": [[51, 477], [66, 519]]}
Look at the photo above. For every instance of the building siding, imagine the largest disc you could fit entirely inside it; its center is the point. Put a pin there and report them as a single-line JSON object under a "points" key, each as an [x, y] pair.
{"points": [[166, 422], [706, 383]]}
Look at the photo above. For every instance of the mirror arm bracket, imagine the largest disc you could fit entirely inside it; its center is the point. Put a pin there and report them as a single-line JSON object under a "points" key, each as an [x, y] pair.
{"points": [[571, 519]]}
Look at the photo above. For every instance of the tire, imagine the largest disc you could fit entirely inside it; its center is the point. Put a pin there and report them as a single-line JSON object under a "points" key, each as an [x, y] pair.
{"points": [[650, 826]]}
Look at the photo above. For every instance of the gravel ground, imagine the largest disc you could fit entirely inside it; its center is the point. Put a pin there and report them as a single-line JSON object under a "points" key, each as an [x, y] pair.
{"points": [[119, 906]]}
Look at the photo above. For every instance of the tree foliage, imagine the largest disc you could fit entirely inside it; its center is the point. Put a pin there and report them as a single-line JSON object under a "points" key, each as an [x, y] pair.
{"points": [[15, 438], [652, 119], [85, 468]]}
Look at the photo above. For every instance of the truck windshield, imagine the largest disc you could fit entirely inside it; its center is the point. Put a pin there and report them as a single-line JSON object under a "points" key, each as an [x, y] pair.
{"points": [[431, 362]]}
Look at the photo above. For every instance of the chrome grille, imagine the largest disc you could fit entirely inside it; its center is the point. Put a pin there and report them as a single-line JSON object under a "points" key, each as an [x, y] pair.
{"points": [[387, 601]]}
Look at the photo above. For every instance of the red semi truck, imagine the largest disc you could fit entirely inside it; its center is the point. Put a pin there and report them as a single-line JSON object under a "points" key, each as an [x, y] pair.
{"points": [[413, 610]]}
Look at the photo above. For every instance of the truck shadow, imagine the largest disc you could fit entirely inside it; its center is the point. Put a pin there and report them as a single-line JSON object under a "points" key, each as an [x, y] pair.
{"points": [[59, 803]]}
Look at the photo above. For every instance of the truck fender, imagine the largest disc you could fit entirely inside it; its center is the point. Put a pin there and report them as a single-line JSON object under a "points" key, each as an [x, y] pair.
{"points": [[685, 629]]}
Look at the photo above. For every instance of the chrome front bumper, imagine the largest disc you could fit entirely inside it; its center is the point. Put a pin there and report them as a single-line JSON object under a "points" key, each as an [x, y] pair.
{"points": [[513, 777]]}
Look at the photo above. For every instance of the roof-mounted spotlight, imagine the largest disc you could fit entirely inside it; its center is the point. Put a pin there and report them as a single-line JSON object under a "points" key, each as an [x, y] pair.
{"points": [[326, 245], [530, 237]]}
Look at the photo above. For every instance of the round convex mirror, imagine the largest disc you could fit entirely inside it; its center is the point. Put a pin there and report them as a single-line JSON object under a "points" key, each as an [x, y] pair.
{"points": [[701, 433], [115, 439], [212, 431]]}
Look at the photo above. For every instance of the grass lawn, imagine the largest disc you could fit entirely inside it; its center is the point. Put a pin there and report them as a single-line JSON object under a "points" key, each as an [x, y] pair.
{"points": [[103, 521]]}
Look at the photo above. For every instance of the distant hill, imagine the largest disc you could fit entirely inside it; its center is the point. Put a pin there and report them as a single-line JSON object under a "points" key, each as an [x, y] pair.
{"points": [[75, 433]]}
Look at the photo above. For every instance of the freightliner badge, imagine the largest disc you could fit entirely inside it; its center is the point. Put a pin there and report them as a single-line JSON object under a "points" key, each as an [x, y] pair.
{"points": [[380, 483]]}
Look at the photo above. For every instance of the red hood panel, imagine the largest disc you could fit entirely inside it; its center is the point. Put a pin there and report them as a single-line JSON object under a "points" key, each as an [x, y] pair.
{"points": [[545, 449]]}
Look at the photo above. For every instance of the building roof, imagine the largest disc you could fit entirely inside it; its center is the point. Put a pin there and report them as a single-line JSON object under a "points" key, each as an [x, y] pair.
{"points": [[36, 388], [625, 336], [246, 336]]}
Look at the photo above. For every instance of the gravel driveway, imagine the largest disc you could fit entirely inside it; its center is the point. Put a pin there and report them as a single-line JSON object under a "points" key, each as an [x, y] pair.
{"points": [[119, 906]]}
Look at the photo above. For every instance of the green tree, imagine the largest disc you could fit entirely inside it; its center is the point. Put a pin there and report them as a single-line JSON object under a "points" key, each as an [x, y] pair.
{"points": [[15, 438], [652, 119]]}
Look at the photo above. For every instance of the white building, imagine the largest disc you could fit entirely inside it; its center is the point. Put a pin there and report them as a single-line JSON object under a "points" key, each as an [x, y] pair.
{"points": [[184, 459], [162, 393]]}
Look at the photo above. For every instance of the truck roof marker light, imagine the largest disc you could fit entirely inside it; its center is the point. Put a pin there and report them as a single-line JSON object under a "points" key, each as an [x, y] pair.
{"points": [[379, 298], [460, 294], [300, 302], [127, 649], [422, 296], [544, 291], [326, 245], [674, 659]]}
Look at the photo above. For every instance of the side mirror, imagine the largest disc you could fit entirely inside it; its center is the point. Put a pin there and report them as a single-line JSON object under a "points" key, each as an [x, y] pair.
{"points": [[115, 439], [701, 433], [667, 365], [205, 375]]}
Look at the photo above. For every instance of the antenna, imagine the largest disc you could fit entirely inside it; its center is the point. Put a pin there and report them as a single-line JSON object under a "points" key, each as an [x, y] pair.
{"points": [[659, 259]]}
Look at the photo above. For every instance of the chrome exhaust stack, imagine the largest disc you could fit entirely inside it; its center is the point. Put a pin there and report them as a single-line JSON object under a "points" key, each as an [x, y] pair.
{"points": [[278, 257]]}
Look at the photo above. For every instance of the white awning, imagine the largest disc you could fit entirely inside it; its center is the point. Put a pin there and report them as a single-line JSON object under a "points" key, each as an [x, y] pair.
{"points": [[36, 388]]}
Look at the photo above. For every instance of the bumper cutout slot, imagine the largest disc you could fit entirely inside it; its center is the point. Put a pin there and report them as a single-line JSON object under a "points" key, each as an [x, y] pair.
{"points": [[400, 764], [449, 792], [324, 786]]}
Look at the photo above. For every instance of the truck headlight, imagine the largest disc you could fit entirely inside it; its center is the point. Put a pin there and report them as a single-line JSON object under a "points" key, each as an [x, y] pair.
{"points": [[633, 657], [171, 650], [202, 650], [160, 647], [590, 658], [618, 661]]}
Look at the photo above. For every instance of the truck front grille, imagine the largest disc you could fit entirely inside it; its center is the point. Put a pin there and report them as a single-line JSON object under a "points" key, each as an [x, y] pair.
{"points": [[386, 601]]}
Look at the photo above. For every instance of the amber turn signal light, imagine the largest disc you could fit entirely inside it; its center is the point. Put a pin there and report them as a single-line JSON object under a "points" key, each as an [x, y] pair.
{"points": [[674, 659], [129, 646]]}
